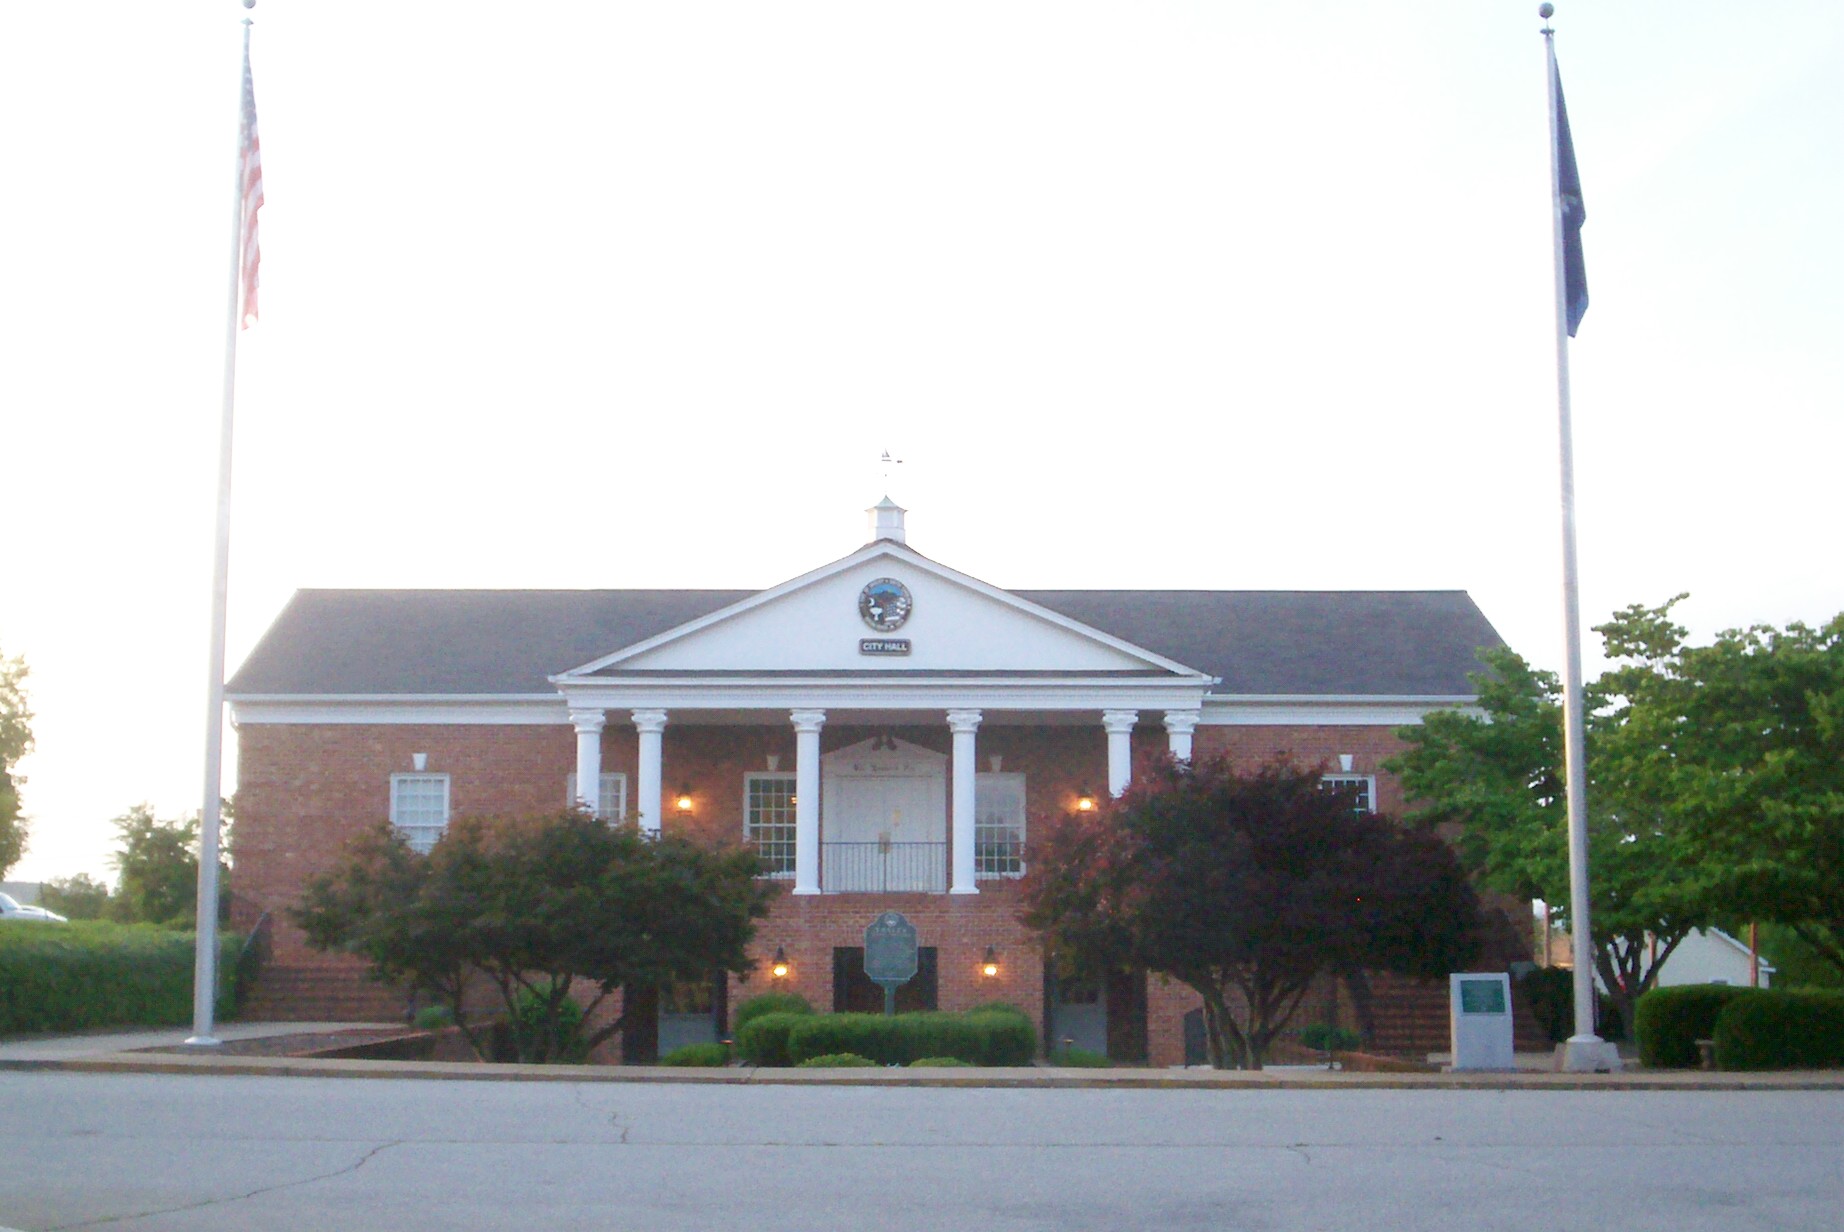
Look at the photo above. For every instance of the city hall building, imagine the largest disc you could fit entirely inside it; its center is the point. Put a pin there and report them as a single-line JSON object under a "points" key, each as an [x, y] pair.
{"points": [[884, 729]]}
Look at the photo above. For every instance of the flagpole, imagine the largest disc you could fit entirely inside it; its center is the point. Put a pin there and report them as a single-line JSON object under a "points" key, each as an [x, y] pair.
{"points": [[205, 954], [1583, 1051]]}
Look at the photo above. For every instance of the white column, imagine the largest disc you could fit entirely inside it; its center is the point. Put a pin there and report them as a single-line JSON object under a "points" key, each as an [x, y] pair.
{"points": [[1119, 725], [1179, 724], [807, 724], [589, 725], [651, 724], [965, 724]]}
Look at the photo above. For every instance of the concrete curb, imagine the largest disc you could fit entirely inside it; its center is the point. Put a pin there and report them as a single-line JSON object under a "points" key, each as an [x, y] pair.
{"points": [[1013, 1079]]}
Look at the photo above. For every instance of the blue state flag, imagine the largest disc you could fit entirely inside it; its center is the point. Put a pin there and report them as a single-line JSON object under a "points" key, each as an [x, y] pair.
{"points": [[1574, 214]]}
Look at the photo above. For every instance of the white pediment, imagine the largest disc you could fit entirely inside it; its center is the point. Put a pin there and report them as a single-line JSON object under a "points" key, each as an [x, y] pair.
{"points": [[813, 624]]}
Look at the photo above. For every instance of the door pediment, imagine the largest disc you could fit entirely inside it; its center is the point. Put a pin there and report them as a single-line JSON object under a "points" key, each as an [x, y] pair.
{"points": [[884, 757]]}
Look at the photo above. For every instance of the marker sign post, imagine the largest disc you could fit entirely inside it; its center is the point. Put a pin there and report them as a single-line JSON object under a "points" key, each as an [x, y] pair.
{"points": [[1480, 1017], [890, 955]]}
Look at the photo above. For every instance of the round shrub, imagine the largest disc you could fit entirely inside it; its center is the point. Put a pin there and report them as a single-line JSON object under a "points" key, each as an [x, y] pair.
{"points": [[1770, 1029], [764, 1039], [1080, 1058], [940, 1063], [1323, 1037], [768, 1003], [838, 1060], [712, 1056], [433, 1018], [1670, 1021]]}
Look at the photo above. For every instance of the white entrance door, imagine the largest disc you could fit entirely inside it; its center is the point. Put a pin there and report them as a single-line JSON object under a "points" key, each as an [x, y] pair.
{"points": [[885, 819]]}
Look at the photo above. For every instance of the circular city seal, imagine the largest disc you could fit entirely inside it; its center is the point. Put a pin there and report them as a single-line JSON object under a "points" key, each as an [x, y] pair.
{"points": [[884, 604]]}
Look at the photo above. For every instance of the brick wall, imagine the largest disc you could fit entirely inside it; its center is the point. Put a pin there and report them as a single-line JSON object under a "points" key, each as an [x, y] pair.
{"points": [[305, 790]]}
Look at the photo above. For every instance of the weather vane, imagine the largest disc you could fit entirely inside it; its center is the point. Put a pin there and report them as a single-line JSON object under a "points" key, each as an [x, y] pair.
{"points": [[889, 462]]}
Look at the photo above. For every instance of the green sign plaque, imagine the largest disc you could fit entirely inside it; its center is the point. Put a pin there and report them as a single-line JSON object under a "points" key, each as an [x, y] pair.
{"points": [[890, 954], [1482, 997]]}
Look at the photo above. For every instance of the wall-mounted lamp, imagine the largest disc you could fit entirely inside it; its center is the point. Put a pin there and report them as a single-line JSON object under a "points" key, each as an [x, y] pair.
{"points": [[1085, 801], [779, 968], [989, 966], [683, 801]]}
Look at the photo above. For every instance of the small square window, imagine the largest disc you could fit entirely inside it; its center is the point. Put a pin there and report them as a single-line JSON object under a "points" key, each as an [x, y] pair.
{"points": [[419, 808], [1365, 785]]}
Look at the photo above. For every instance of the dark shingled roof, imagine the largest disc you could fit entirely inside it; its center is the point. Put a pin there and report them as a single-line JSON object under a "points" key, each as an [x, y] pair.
{"points": [[1351, 643]]}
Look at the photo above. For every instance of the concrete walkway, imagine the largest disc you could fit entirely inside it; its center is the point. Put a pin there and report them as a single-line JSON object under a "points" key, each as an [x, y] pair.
{"points": [[122, 1052]]}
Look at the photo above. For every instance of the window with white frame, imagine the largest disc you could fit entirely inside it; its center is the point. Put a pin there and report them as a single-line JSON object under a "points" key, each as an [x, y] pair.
{"points": [[1365, 785], [768, 820], [419, 808], [998, 826], [612, 806]]}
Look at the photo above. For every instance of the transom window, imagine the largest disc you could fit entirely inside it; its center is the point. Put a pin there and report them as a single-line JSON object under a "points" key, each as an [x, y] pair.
{"points": [[998, 826], [1365, 785], [768, 820], [419, 808], [612, 806]]}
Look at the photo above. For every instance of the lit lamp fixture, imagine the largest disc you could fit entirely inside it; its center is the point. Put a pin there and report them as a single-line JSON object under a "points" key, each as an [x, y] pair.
{"points": [[779, 969], [1085, 801], [683, 802], [989, 966]]}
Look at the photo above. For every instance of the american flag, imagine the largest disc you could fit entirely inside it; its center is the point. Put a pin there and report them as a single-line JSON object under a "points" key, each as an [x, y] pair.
{"points": [[252, 178]]}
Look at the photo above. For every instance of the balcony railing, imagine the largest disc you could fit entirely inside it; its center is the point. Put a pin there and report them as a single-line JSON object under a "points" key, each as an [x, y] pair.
{"points": [[883, 868]]}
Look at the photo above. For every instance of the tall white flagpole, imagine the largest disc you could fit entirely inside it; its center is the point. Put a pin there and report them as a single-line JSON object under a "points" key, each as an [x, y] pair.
{"points": [[1583, 1051], [205, 956]]}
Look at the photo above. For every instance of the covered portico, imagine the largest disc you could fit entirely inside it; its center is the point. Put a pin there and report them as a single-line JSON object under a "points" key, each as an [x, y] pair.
{"points": [[883, 639], [844, 799]]}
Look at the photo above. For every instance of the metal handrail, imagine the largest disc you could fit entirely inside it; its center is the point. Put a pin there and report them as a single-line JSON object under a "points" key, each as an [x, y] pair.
{"points": [[884, 867]]}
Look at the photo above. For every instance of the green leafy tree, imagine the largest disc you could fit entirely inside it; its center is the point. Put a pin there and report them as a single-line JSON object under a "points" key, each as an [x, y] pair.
{"points": [[1749, 742], [1494, 777], [15, 743], [81, 897], [158, 866], [554, 912], [1247, 887]]}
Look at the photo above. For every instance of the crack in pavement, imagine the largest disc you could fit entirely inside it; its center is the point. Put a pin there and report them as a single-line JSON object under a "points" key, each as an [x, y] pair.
{"points": [[350, 1168]]}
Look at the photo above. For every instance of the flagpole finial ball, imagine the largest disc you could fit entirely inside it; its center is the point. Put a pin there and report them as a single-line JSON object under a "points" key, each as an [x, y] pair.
{"points": [[1545, 11]]}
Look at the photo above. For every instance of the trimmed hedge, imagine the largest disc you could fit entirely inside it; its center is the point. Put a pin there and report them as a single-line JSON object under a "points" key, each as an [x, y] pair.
{"points": [[89, 973], [1670, 1021], [712, 1056], [838, 1060], [1769, 1029], [939, 1063], [991, 1036], [755, 1007], [1080, 1058], [764, 1040]]}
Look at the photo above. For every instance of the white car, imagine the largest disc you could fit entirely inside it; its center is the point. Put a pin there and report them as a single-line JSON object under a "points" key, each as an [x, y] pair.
{"points": [[12, 909]]}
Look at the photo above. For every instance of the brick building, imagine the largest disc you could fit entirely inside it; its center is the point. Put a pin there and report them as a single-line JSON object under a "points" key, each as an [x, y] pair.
{"points": [[884, 729]]}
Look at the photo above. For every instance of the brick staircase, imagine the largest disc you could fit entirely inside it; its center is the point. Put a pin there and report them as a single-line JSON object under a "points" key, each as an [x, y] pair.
{"points": [[320, 992], [1411, 1019]]}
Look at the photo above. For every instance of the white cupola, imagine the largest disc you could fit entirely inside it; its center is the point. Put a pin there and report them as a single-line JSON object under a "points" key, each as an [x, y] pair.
{"points": [[887, 521]]}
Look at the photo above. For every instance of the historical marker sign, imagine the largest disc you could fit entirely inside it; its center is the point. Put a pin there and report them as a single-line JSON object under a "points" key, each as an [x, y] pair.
{"points": [[890, 954]]}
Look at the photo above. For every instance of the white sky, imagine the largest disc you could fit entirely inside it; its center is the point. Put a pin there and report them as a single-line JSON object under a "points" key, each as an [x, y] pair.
{"points": [[1181, 294]]}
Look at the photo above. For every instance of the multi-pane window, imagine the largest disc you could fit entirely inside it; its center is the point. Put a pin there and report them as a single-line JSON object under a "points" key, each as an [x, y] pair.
{"points": [[998, 825], [1364, 785], [768, 820], [419, 808], [613, 803]]}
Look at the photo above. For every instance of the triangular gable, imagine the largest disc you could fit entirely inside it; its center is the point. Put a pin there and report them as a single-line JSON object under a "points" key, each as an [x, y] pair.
{"points": [[956, 624]]}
